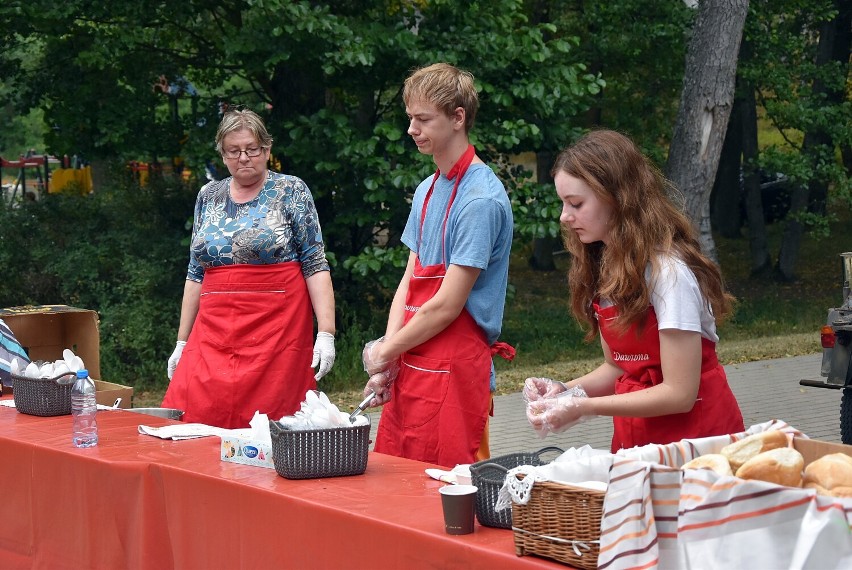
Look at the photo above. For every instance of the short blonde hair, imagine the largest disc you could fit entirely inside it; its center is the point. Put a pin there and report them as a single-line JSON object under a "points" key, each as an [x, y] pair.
{"points": [[446, 87], [237, 120]]}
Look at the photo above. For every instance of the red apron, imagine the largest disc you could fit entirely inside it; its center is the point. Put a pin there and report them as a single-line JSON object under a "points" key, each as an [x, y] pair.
{"points": [[250, 347], [441, 399], [637, 352]]}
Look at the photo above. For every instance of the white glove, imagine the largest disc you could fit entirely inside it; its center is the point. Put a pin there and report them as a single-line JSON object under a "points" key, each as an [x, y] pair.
{"points": [[323, 354], [175, 358]]}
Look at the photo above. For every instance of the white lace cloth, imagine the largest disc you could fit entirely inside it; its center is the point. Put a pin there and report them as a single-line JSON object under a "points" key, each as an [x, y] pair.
{"points": [[581, 467]]}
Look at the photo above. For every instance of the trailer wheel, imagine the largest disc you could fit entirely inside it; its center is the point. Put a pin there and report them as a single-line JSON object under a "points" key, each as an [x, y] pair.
{"points": [[846, 416]]}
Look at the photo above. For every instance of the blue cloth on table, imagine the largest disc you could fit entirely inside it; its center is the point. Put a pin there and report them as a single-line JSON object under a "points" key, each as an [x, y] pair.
{"points": [[10, 348]]}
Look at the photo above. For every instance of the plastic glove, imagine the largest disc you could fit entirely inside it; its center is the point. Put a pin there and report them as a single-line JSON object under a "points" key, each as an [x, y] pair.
{"points": [[555, 415], [323, 354], [175, 358], [380, 385], [373, 366], [541, 389]]}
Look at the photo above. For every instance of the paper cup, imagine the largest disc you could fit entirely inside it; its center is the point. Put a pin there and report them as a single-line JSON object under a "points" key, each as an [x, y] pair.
{"points": [[459, 502], [462, 473]]}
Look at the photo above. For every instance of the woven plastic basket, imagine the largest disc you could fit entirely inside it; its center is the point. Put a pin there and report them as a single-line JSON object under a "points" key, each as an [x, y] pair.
{"points": [[43, 396], [488, 477], [311, 454], [560, 522]]}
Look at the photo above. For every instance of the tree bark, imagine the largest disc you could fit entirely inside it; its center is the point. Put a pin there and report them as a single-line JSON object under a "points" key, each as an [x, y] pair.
{"points": [[758, 246], [705, 107], [726, 197]]}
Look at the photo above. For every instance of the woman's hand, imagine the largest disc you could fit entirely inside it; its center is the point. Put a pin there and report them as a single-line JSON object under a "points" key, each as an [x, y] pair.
{"points": [[541, 389], [324, 354], [175, 358], [557, 414]]}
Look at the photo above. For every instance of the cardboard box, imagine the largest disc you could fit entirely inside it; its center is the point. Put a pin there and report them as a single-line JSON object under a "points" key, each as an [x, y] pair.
{"points": [[235, 449], [46, 330], [813, 449], [107, 393]]}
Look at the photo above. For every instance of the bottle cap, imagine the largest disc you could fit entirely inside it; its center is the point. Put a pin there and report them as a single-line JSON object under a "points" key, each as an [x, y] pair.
{"points": [[83, 373]]}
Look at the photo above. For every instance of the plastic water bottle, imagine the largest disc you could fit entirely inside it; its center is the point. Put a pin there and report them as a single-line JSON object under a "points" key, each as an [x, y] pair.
{"points": [[84, 408]]}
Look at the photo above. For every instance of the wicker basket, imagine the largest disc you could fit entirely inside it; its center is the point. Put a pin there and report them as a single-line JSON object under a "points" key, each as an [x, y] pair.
{"points": [[43, 396], [311, 454], [488, 477], [560, 522]]}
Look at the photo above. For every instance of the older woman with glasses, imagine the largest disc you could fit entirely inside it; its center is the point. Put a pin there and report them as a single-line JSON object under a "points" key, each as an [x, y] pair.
{"points": [[257, 277]]}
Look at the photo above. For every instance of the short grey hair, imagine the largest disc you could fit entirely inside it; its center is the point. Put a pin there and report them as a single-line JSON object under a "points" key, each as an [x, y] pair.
{"points": [[238, 120]]}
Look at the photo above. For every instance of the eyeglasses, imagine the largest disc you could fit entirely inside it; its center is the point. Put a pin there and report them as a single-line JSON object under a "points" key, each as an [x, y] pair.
{"points": [[235, 153]]}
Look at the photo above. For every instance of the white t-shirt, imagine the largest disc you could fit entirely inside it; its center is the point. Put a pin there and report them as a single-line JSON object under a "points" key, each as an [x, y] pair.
{"points": [[677, 299]]}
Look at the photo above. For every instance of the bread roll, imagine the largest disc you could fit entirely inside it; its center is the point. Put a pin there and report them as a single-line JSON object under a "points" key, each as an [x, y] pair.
{"points": [[830, 471], [782, 465], [820, 490], [845, 492], [741, 451], [714, 461]]}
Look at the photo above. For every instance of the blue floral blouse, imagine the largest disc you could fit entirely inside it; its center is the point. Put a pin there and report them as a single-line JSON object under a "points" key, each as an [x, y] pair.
{"points": [[279, 225]]}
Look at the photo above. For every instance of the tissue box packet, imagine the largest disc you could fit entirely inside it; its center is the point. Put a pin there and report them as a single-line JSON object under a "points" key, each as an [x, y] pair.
{"points": [[246, 451]]}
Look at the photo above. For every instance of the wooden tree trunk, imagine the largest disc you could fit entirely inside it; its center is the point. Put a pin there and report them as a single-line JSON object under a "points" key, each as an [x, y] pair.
{"points": [[705, 106], [758, 246], [726, 197]]}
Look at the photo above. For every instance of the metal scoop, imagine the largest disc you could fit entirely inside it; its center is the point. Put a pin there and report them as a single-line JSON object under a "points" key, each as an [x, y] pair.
{"points": [[361, 407]]}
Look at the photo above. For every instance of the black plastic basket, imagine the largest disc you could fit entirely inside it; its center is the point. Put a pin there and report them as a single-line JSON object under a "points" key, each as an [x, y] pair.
{"points": [[311, 454], [43, 396], [488, 476]]}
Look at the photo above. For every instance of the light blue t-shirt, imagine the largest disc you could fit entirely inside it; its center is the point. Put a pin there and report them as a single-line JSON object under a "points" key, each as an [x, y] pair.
{"points": [[479, 234]]}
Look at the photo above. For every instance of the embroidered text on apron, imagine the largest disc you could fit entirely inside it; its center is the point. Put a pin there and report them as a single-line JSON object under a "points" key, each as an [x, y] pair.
{"points": [[440, 400], [250, 347], [637, 352]]}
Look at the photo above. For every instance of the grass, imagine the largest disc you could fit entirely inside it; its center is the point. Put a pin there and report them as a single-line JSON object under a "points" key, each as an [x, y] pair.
{"points": [[771, 320]]}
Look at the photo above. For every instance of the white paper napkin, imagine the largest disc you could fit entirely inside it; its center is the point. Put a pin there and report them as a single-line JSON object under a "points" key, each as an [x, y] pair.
{"points": [[190, 431]]}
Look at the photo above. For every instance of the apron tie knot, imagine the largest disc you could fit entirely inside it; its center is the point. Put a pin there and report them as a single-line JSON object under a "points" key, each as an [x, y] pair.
{"points": [[503, 350]]}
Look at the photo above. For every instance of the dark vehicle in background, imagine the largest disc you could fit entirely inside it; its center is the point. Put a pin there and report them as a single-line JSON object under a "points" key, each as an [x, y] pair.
{"points": [[836, 338], [774, 195]]}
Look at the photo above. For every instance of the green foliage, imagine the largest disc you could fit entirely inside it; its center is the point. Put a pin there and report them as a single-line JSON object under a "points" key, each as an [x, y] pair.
{"points": [[639, 49], [371, 262], [536, 206], [22, 132], [116, 251], [784, 36], [327, 78]]}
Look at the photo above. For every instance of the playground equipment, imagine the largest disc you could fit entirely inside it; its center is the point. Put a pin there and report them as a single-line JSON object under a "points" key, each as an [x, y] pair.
{"points": [[42, 179], [41, 164]]}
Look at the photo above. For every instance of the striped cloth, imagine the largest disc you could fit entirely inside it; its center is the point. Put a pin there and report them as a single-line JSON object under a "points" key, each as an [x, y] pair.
{"points": [[657, 516], [10, 348]]}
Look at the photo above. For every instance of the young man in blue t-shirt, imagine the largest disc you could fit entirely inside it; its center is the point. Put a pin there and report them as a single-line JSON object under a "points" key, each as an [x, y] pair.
{"points": [[432, 370]]}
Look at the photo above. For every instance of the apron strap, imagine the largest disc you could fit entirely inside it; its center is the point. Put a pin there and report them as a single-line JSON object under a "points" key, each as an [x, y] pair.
{"points": [[457, 171]]}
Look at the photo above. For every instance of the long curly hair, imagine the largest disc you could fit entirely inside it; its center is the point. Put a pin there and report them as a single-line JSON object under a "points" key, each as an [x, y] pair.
{"points": [[644, 223]]}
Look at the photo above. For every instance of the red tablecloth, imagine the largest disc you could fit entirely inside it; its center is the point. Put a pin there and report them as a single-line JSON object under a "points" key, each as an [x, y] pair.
{"points": [[136, 501]]}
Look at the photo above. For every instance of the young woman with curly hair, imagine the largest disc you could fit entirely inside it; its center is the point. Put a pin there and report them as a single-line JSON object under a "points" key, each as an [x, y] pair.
{"points": [[639, 280]]}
